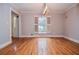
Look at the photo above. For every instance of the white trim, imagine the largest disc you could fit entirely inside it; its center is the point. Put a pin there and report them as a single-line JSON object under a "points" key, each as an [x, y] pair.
{"points": [[69, 8], [19, 14], [69, 38], [57, 35], [7, 43], [37, 35], [15, 11]]}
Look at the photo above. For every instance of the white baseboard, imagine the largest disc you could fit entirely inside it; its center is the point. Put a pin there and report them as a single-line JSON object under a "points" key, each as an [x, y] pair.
{"points": [[7, 43], [42, 36], [75, 40], [57, 35]]}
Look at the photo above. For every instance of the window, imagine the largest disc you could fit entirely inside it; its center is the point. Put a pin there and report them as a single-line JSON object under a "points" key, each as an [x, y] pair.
{"points": [[42, 24]]}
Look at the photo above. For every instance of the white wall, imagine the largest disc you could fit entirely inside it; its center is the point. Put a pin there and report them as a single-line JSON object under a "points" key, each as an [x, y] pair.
{"points": [[4, 24], [27, 24], [72, 23], [56, 24]]}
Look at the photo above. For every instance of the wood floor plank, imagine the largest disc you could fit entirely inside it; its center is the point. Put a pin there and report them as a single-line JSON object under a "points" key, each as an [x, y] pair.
{"points": [[41, 46]]}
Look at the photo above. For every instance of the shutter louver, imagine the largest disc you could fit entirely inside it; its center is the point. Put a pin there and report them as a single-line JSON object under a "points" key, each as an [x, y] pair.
{"points": [[48, 24], [36, 20], [36, 24], [48, 20]]}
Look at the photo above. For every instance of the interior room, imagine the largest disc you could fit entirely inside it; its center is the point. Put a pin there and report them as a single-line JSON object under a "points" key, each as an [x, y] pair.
{"points": [[39, 29]]}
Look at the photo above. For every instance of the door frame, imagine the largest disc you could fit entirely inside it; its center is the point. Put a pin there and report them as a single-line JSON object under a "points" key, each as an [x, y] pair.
{"points": [[18, 13]]}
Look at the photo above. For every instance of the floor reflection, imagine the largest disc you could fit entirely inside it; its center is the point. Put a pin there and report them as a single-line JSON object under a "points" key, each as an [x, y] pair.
{"points": [[42, 46]]}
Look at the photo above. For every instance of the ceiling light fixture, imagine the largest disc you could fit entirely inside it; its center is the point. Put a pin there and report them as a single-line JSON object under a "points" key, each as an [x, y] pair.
{"points": [[45, 9]]}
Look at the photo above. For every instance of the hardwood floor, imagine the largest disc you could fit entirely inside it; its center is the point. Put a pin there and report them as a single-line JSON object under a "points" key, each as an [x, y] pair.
{"points": [[41, 46]]}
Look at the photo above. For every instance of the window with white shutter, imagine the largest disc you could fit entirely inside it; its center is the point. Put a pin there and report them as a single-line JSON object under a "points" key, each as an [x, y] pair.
{"points": [[42, 24]]}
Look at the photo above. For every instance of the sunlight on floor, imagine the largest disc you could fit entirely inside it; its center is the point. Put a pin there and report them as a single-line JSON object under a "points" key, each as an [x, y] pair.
{"points": [[42, 45]]}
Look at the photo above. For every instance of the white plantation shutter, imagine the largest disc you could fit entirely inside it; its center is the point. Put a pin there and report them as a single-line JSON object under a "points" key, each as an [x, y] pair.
{"points": [[36, 24], [48, 28], [48, 24], [36, 20], [48, 20], [36, 28]]}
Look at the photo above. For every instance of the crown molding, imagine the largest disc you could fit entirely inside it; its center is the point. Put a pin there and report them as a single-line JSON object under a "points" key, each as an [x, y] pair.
{"points": [[72, 6]]}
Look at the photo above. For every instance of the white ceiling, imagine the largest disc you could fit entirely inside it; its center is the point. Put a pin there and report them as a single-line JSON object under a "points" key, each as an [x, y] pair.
{"points": [[37, 7]]}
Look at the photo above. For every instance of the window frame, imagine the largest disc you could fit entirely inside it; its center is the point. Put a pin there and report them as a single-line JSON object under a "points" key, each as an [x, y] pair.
{"points": [[47, 24]]}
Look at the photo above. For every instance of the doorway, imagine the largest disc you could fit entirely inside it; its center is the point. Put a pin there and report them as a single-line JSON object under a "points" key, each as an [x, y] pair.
{"points": [[15, 24]]}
